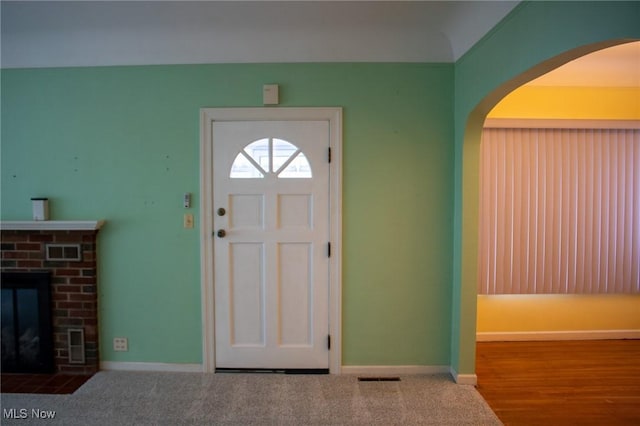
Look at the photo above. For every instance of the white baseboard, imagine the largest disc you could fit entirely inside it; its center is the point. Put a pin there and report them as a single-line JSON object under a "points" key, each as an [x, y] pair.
{"points": [[151, 366], [521, 336], [369, 370], [464, 379], [388, 370]]}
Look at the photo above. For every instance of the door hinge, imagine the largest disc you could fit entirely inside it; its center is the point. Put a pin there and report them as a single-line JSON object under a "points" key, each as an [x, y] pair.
{"points": [[329, 341], [329, 155], [328, 249]]}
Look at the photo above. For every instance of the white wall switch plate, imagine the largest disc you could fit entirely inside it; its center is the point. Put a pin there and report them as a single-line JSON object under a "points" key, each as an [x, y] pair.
{"points": [[188, 220]]}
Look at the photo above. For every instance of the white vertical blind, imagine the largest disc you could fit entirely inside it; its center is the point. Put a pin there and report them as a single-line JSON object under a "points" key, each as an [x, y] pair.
{"points": [[559, 211]]}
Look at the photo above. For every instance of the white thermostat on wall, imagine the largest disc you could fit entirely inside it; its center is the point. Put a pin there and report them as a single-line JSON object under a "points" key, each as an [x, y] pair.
{"points": [[270, 94], [187, 200]]}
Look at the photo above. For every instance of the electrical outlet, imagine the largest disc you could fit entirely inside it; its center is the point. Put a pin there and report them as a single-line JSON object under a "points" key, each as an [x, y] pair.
{"points": [[120, 344], [188, 220]]}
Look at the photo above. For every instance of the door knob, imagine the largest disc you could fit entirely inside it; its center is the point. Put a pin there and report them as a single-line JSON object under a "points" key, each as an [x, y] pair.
{"points": [[221, 233]]}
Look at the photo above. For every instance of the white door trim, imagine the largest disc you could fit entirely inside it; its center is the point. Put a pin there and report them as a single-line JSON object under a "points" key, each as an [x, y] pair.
{"points": [[334, 117]]}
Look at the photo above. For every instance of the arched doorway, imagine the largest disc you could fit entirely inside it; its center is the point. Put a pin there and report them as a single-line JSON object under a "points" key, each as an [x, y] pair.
{"points": [[464, 349], [555, 263]]}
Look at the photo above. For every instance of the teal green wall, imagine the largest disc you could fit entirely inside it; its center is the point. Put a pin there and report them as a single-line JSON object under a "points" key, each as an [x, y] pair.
{"points": [[122, 144], [526, 44]]}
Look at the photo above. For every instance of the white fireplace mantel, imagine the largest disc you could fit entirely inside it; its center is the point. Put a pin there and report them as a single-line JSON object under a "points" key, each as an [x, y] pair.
{"points": [[51, 225]]}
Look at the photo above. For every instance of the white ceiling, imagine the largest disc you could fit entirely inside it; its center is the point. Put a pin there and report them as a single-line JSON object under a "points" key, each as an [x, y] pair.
{"points": [[92, 33], [617, 66]]}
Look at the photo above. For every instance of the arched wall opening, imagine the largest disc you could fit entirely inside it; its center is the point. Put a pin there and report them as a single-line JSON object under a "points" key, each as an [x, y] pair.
{"points": [[558, 247], [470, 191]]}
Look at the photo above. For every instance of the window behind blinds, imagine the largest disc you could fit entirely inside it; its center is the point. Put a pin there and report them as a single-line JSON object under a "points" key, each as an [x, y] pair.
{"points": [[559, 211]]}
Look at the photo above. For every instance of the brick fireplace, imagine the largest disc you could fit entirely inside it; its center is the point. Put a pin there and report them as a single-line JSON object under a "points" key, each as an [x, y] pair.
{"points": [[67, 250]]}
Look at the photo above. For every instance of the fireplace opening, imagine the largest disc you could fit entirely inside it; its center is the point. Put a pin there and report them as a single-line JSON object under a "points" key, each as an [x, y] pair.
{"points": [[27, 337]]}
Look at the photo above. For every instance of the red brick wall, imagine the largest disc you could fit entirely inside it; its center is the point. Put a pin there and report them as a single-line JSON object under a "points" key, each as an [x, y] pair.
{"points": [[74, 287]]}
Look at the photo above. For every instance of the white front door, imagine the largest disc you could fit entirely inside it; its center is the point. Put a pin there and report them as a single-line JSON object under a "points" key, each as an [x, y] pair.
{"points": [[270, 244]]}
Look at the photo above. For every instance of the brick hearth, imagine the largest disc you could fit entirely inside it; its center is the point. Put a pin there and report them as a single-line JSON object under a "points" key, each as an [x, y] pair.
{"points": [[74, 286]]}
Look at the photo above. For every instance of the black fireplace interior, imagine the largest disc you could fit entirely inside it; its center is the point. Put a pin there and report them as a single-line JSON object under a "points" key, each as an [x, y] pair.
{"points": [[27, 345]]}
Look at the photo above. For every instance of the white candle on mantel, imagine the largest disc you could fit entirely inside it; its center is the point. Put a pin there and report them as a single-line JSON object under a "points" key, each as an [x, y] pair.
{"points": [[40, 208]]}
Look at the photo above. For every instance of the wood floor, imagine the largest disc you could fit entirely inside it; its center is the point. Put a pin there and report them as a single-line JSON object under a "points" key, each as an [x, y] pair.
{"points": [[593, 382]]}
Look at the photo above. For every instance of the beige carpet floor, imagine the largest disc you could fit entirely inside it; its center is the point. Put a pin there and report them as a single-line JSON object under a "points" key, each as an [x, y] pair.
{"points": [[137, 398]]}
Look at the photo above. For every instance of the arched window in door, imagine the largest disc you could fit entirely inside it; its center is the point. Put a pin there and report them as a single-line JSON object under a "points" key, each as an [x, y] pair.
{"points": [[270, 156]]}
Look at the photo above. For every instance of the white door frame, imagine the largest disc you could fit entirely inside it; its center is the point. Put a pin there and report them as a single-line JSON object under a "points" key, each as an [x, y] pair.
{"points": [[334, 117]]}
